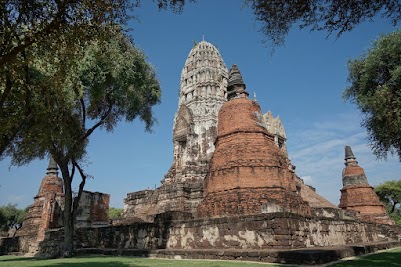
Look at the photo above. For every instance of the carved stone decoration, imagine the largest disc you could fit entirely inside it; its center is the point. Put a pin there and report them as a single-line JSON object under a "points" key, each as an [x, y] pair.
{"points": [[203, 90]]}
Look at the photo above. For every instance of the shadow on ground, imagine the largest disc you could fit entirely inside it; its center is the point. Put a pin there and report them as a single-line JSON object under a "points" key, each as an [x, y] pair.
{"points": [[387, 258]]}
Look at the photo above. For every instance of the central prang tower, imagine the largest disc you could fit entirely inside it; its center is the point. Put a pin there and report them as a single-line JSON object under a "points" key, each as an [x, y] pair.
{"points": [[203, 90]]}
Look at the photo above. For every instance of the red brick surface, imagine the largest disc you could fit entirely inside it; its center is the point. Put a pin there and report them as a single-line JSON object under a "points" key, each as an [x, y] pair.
{"points": [[247, 168], [362, 199]]}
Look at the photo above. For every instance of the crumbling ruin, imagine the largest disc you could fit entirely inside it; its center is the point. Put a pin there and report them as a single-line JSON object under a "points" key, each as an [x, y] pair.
{"points": [[358, 196], [230, 193], [46, 212]]}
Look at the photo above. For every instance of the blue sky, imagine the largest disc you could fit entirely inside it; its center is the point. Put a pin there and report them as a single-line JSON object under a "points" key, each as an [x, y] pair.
{"points": [[302, 82]]}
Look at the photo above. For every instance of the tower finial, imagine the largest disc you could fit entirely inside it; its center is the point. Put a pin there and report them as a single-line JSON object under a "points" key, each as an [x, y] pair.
{"points": [[254, 97], [349, 157], [203, 36], [52, 168], [236, 86]]}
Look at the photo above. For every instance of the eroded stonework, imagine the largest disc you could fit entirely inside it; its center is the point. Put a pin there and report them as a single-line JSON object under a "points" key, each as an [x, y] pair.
{"points": [[249, 173], [46, 211], [202, 92]]}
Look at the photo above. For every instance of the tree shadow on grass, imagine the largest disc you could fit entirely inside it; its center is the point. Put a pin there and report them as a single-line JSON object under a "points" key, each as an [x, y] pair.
{"points": [[95, 264], [86, 261], [387, 258]]}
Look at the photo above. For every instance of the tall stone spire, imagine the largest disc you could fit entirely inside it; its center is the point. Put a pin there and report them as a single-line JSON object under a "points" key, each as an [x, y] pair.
{"points": [[52, 168], [236, 87]]}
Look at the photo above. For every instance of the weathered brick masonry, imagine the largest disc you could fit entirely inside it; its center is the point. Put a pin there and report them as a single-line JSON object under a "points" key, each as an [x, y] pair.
{"points": [[248, 171], [357, 195]]}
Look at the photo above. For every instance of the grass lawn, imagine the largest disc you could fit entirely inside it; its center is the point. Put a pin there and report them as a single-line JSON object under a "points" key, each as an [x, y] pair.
{"points": [[105, 261], [386, 258]]}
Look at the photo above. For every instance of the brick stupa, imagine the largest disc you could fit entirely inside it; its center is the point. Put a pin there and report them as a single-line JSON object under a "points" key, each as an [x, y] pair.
{"points": [[357, 195], [46, 210], [248, 173]]}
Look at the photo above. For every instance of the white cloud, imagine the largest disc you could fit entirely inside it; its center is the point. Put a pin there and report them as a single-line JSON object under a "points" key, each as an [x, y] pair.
{"points": [[316, 148]]}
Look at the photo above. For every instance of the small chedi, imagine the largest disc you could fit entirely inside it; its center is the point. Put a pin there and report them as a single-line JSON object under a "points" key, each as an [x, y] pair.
{"points": [[357, 195], [46, 212]]}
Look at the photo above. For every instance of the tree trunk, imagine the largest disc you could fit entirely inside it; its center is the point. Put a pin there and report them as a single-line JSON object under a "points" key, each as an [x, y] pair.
{"points": [[68, 218]]}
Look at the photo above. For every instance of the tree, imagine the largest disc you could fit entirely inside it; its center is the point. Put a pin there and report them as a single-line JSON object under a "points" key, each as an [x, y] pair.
{"points": [[278, 17], [115, 213], [389, 193], [42, 25], [375, 87], [104, 82], [11, 216]]}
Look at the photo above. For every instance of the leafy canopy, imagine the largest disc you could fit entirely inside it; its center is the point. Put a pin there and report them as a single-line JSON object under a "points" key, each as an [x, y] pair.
{"points": [[278, 17], [115, 213], [389, 193], [10, 216], [107, 80], [375, 87]]}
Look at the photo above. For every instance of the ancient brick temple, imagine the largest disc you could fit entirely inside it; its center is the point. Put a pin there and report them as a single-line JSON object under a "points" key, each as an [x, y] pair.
{"points": [[203, 90], [250, 171], [230, 193], [357, 195], [248, 174]]}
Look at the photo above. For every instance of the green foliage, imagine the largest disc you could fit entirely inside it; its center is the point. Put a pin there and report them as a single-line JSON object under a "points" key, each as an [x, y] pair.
{"points": [[43, 38], [115, 213], [375, 87], [72, 92], [11, 216], [389, 193], [278, 17], [104, 82]]}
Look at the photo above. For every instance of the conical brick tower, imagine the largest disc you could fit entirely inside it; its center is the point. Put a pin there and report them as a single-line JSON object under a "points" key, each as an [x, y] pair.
{"points": [[357, 195], [248, 173], [46, 211]]}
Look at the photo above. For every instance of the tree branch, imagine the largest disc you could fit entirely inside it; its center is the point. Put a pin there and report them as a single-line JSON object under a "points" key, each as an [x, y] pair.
{"points": [[80, 190], [83, 112], [99, 123], [37, 36]]}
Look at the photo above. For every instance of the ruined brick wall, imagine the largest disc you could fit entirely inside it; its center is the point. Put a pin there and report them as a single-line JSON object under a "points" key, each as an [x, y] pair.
{"points": [[267, 231], [275, 231], [253, 200], [175, 230], [93, 209]]}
